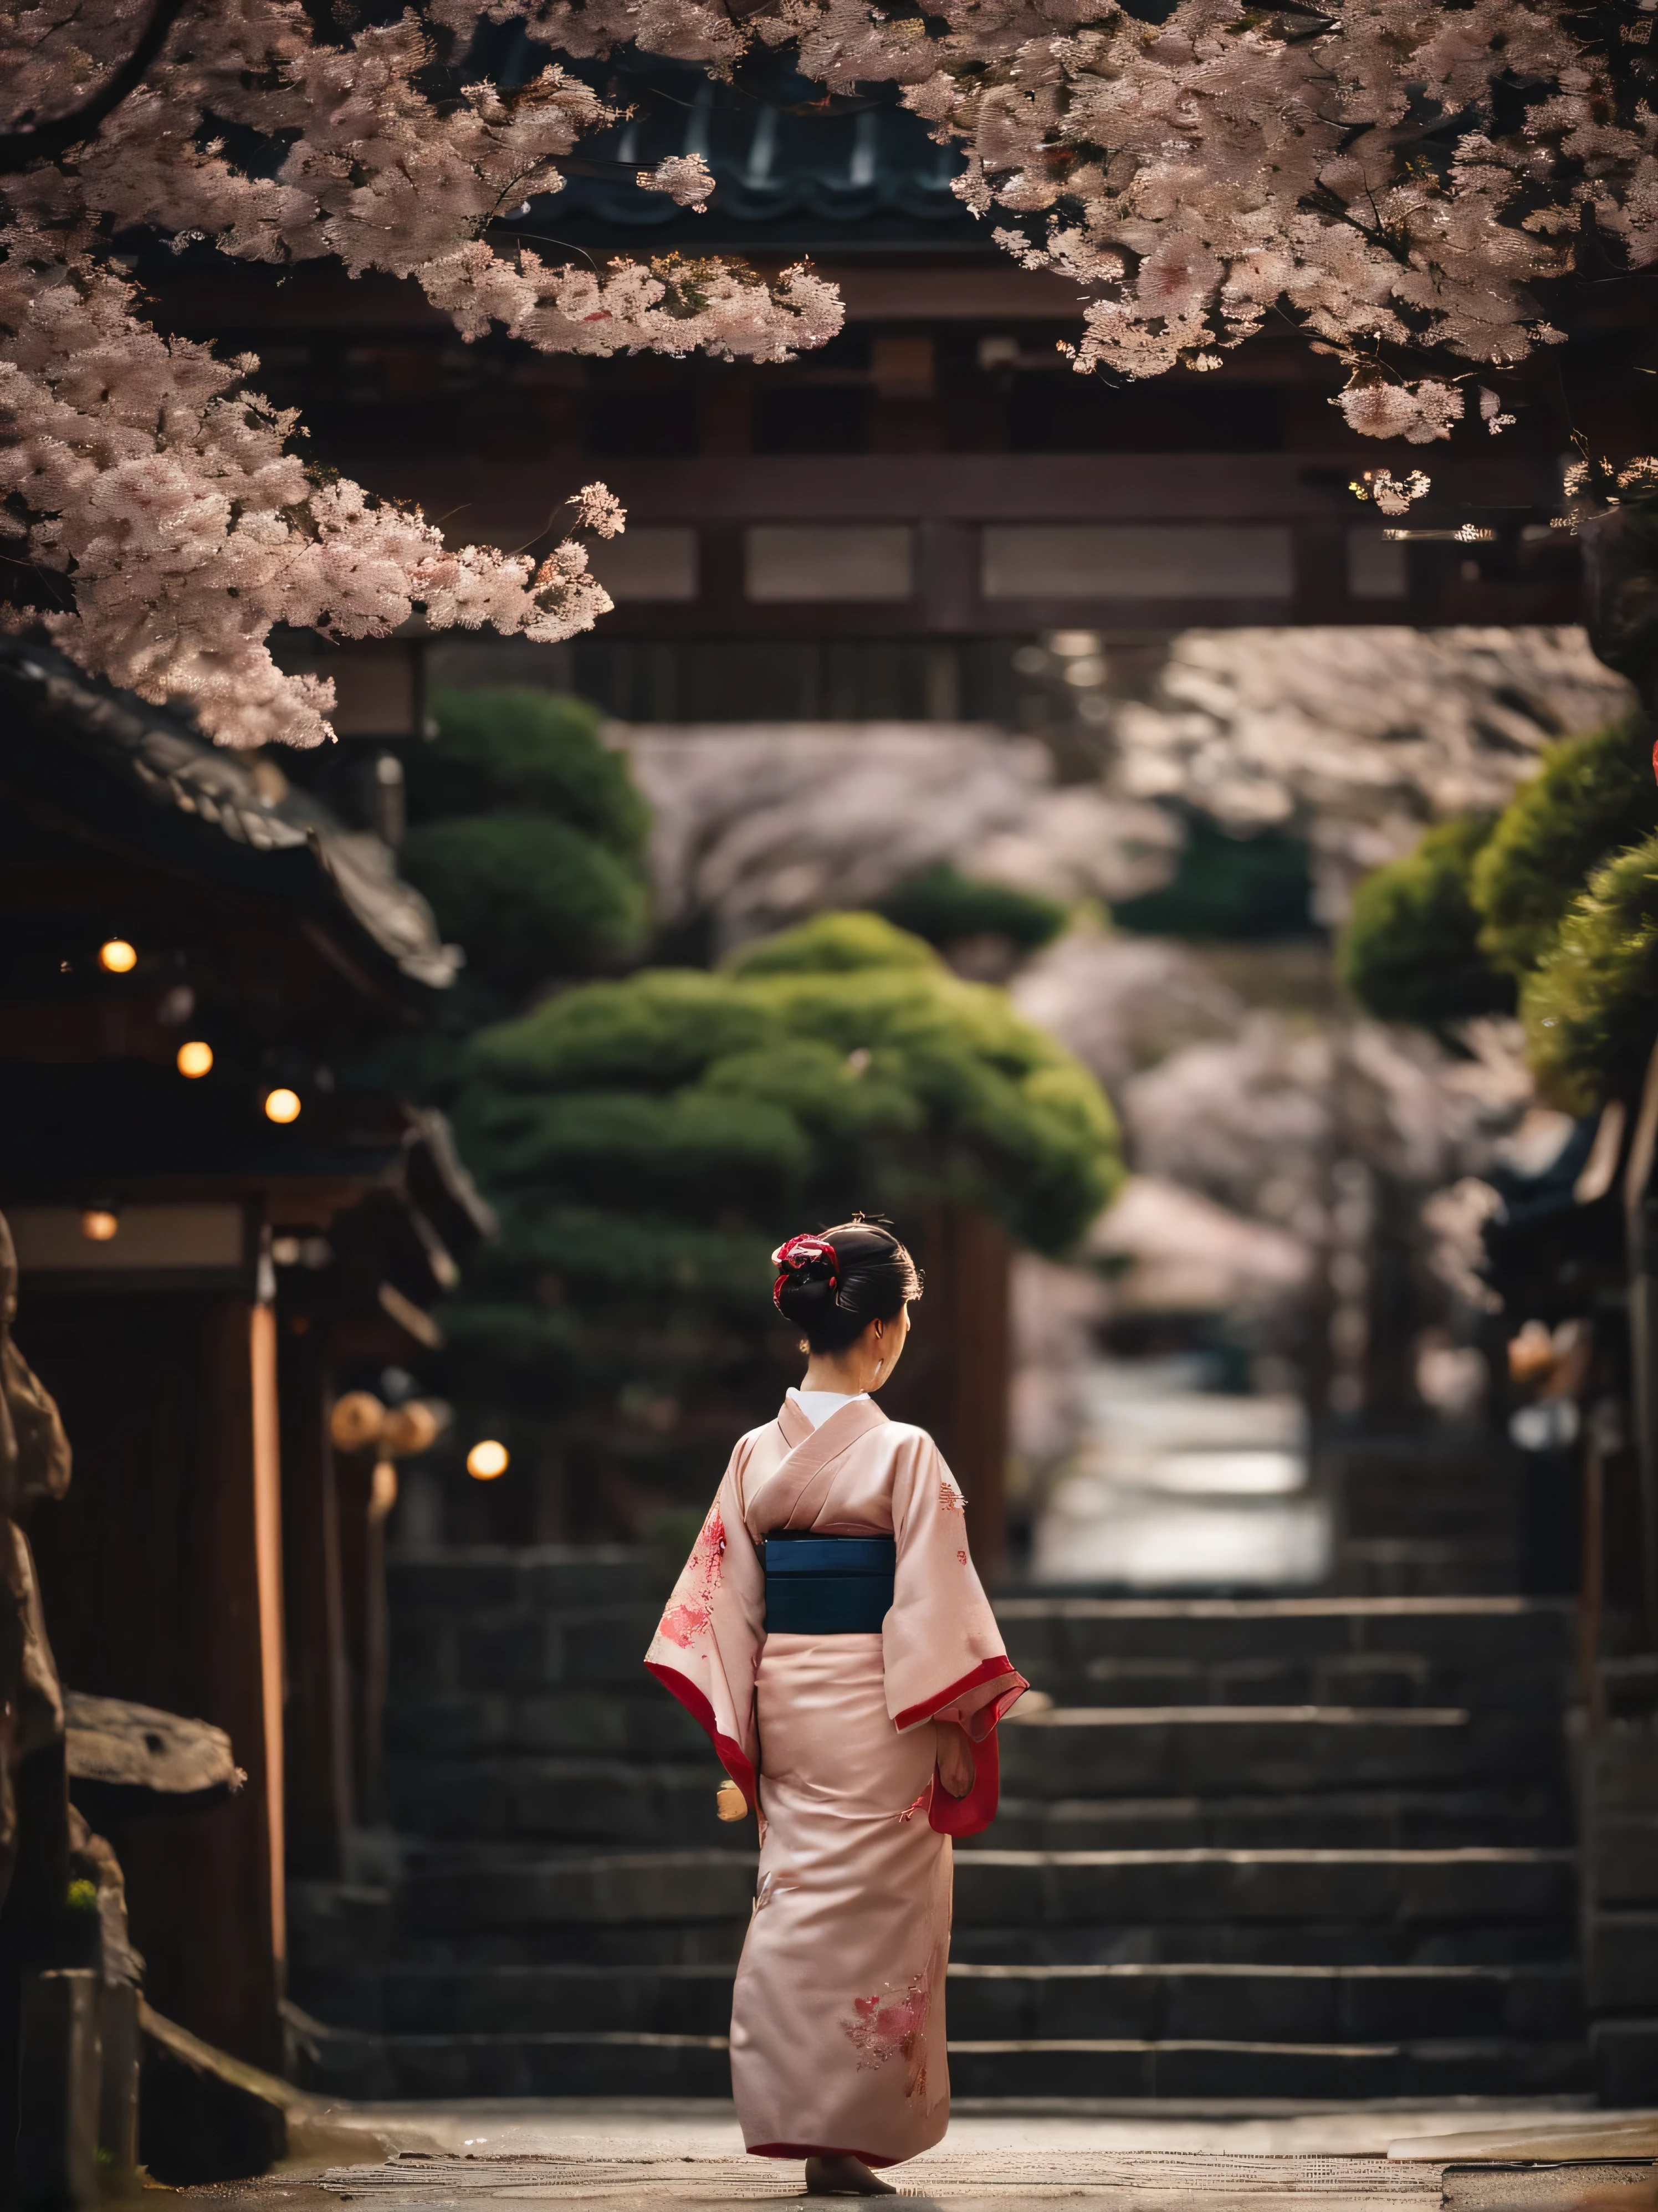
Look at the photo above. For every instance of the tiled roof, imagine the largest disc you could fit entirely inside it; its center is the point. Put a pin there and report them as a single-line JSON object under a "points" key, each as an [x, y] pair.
{"points": [[793, 169], [147, 780]]}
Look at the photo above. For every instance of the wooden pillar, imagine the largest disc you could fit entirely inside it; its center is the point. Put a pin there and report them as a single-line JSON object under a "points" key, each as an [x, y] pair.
{"points": [[317, 1736], [362, 1569], [161, 1580], [954, 1379], [979, 1380], [268, 1575]]}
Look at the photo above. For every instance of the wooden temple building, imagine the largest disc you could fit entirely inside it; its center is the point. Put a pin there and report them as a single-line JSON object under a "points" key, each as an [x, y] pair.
{"points": [[876, 530], [879, 529], [216, 1233]]}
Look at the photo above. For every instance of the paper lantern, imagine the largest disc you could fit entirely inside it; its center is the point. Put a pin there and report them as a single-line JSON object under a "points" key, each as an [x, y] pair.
{"points": [[487, 1460], [355, 1423]]}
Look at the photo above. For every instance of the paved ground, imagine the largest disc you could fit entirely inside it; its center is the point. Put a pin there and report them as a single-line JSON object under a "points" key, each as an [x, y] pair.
{"points": [[633, 2156]]}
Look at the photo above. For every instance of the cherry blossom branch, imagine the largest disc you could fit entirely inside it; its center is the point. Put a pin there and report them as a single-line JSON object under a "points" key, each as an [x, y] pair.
{"points": [[28, 147], [149, 481]]}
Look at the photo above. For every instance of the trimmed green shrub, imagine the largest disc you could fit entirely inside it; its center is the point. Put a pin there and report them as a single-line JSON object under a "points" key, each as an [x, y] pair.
{"points": [[893, 1080], [647, 1142], [527, 896], [1411, 951], [499, 750], [943, 906], [1593, 796], [528, 837], [835, 944], [1591, 1008]]}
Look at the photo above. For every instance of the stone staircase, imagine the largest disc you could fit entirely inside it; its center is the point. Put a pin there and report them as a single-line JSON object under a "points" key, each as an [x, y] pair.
{"points": [[1297, 1848]]}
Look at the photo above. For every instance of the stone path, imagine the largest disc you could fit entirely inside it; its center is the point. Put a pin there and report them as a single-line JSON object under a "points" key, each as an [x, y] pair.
{"points": [[643, 2156]]}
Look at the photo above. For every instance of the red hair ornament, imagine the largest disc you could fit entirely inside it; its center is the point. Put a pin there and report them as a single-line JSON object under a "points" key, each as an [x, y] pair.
{"points": [[798, 1250]]}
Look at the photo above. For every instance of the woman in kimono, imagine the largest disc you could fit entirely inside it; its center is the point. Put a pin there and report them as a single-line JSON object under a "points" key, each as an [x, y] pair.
{"points": [[830, 1635]]}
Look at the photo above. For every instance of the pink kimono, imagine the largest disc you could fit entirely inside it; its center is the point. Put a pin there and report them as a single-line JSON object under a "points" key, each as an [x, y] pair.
{"points": [[837, 2038]]}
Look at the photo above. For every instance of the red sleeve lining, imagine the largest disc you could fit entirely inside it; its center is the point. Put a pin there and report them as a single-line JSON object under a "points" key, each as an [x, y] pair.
{"points": [[971, 1815], [986, 1671], [731, 1756]]}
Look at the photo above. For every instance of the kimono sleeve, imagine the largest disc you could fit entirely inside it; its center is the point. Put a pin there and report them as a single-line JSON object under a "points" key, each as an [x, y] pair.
{"points": [[942, 1645], [708, 1639]]}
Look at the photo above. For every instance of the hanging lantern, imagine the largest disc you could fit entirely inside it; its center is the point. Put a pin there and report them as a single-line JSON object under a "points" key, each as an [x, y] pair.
{"points": [[487, 1460]]}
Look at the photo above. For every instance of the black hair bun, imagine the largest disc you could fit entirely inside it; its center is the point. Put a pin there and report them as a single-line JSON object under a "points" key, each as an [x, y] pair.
{"points": [[809, 1277], [831, 1286]]}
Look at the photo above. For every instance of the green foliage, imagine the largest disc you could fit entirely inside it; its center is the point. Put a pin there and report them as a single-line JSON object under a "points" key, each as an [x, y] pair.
{"points": [[1593, 795], [511, 749], [1591, 1007], [796, 1078], [656, 1030], [649, 1141], [528, 895], [527, 835], [1411, 951], [1227, 887], [835, 944], [943, 906]]}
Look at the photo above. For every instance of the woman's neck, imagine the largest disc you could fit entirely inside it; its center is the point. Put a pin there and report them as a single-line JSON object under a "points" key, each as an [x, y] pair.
{"points": [[841, 1378]]}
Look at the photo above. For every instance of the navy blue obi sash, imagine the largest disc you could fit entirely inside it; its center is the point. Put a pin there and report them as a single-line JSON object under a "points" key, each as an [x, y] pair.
{"points": [[828, 1585]]}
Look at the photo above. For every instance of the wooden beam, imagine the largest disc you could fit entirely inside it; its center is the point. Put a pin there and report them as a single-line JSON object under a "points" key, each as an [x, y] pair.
{"points": [[268, 1569], [510, 504]]}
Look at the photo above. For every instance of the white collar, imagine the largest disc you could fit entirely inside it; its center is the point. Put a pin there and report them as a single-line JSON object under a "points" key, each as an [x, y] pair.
{"points": [[818, 1405]]}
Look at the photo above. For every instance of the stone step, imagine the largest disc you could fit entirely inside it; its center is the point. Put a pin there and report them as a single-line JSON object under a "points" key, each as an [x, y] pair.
{"points": [[468, 1892], [576, 1802], [1431, 2070], [439, 1650], [470, 1629], [1142, 1751], [570, 2063], [1251, 1944], [561, 1800], [1413, 1568], [1295, 2004], [479, 1891], [1004, 1888], [1485, 1635], [1385, 1678], [637, 1721], [1397, 1819], [318, 1963], [1199, 1754]]}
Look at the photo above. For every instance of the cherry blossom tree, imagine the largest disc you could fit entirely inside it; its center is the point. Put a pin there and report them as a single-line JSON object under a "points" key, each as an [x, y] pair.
{"points": [[1394, 177], [152, 500]]}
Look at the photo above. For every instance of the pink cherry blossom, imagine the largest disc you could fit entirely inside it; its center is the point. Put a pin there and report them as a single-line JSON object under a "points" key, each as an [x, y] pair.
{"points": [[155, 494]]}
